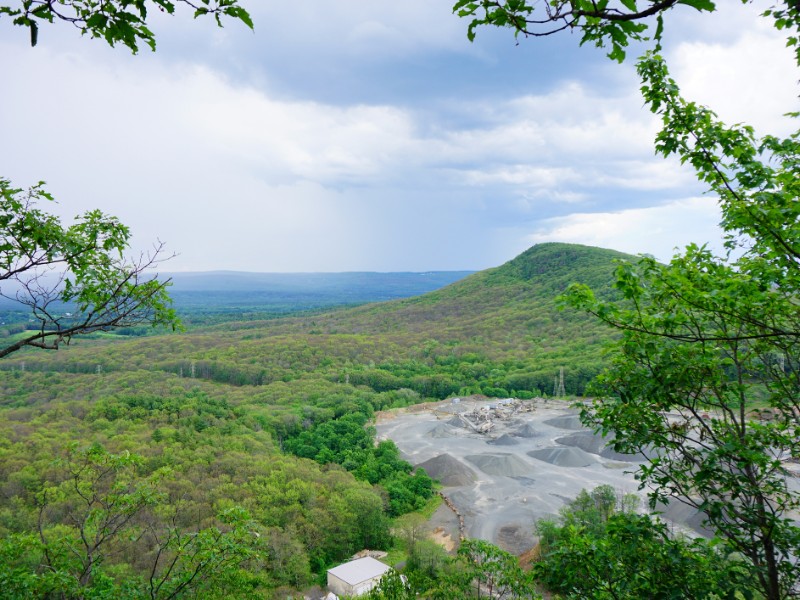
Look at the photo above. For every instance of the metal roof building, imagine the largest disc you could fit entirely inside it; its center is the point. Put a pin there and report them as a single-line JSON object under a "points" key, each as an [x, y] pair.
{"points": [[356, 577]]}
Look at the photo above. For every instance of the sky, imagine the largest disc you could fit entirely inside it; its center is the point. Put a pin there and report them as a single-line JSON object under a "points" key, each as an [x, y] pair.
{"points": [[355, 135]]}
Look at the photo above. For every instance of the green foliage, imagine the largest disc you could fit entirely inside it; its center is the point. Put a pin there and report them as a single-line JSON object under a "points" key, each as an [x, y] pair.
{"points": [[348, 442], [92, 506], [200, 463], [601, 23], [704, 336], [115, 21], [392, 586], [600, 548], [96, 283], [484, 570]]}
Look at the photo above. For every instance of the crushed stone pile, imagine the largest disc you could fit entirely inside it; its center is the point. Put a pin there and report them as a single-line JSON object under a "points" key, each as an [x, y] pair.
{"points": [[508, 465], [442, 430], [526, 431], [448, 470], [566, 422], [564, 457], [503, 440], [455, 422], [597, 444], [586, 441]]}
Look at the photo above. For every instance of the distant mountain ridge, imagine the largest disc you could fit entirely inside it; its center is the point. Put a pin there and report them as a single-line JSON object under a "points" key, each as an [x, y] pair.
{"points": [[229, 295], [391, 284], [519, 292], [497, 332]]}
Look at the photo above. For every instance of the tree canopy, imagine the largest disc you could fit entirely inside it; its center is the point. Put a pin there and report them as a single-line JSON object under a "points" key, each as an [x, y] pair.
{"points": [[116, 21], [73, 279], [601, 23], [705, 378], [76, 279]]}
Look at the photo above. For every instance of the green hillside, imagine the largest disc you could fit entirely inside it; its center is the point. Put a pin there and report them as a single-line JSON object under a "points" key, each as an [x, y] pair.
{"points": [[219, 442], [497, 332]]}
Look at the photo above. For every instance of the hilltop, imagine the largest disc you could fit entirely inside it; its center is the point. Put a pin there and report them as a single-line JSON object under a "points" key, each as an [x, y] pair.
{"points": [[497, 332]]}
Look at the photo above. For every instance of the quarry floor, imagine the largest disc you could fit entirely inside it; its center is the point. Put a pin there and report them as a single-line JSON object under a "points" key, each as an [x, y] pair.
{"points": [[536, 457]]}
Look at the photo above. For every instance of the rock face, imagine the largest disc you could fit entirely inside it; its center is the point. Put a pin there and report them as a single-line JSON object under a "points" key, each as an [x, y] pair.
{"points": [[448, 470]]}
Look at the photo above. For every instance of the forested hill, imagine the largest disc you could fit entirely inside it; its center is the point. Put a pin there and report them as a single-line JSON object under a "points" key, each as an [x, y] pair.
{"points": [[497, 332], [515, 299], [204, 438]]}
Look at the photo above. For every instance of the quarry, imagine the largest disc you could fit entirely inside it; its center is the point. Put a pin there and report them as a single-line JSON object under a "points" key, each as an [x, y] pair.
{"points": [[504, 464]]}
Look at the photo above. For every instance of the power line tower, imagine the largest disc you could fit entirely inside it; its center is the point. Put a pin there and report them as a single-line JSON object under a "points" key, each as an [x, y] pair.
{"points": [[558, 386]]}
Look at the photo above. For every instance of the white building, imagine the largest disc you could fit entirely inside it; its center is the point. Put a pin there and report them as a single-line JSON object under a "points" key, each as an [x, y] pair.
{"points": [[356, 577]]}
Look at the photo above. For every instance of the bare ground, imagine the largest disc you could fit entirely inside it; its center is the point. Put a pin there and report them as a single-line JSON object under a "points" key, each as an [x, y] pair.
{"points": [[527, 465]]}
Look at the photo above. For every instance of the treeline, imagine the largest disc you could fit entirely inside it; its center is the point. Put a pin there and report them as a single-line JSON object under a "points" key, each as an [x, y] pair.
{"points": [[431, 368], [497, 332]]}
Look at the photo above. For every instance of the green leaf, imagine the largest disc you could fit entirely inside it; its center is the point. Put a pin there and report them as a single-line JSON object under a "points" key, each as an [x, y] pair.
{"points": [[701, 5], [240, 13]]}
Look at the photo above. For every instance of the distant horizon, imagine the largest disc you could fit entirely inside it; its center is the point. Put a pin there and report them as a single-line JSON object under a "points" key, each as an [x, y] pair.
{"points": [[236, 272], [399, 271]]}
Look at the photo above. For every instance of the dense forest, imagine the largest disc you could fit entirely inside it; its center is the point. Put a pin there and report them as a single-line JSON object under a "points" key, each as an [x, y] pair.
{"points": [[128, 463], [498, 332], [238, 459]]}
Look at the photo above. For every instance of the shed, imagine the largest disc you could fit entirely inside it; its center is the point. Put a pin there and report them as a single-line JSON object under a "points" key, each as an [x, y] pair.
{"points": [[356, 577]]}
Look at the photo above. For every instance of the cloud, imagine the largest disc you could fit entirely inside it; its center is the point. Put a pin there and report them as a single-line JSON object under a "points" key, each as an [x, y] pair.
{"points": [[291, 139], [182, 153], [750, 76], [341, 138], [658, 230]]}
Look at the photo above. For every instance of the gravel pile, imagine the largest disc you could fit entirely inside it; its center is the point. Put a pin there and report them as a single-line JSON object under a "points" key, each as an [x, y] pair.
{"points": [[448, 470], [503, 440], [564, 457], [442, 430], [508, 465], [526, 431], [597, 444], [566, 422]]}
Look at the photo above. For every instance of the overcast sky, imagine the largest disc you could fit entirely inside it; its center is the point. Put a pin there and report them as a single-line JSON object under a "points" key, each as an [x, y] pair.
{"points": [[365, 135]]}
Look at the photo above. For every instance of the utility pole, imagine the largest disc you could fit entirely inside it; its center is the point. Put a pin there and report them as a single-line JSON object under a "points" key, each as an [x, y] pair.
{"points": [[558, 386]]}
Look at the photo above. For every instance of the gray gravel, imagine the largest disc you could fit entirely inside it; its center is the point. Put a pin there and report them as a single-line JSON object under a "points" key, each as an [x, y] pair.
{"points": [[500, 487]]}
